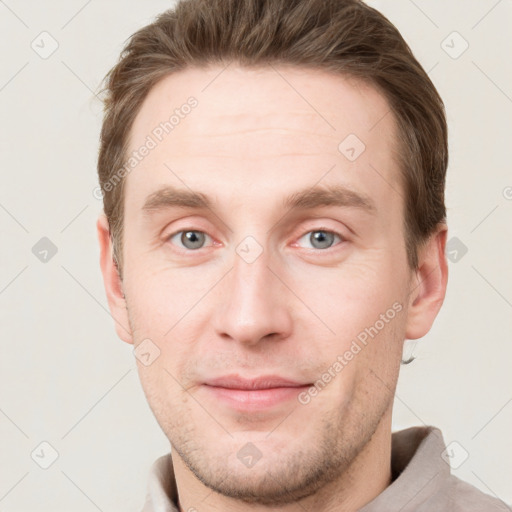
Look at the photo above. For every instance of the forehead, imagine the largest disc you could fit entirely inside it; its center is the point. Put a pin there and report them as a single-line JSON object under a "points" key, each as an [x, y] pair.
{"points": [[272, 128]]}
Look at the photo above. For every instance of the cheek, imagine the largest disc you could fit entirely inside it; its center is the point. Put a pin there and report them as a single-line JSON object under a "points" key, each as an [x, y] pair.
{"points": [[160, 298], [349, 296], [363, 307], [164, 395], [164, 306]]}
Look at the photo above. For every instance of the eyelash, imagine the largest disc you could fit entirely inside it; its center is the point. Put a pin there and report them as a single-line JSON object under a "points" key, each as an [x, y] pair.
{"points": [[320, 229]]}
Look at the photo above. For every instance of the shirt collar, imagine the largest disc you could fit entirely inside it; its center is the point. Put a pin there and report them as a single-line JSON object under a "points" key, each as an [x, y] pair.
{"points": [[418, 470]]}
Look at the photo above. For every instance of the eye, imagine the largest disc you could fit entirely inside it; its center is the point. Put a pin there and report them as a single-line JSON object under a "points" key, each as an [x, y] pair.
{"points": [[321, 238], [190, 239]]}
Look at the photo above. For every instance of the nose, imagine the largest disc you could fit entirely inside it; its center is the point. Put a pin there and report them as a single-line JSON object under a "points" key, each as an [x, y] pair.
{"points": [[254, 304]]}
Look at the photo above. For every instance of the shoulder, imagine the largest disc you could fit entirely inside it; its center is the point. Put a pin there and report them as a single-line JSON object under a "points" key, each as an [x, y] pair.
{"points": [[464, 497]]}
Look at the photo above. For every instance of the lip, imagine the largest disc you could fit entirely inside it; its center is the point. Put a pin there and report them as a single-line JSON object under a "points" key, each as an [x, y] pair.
{"points": [[253, 394], [262, 382]]}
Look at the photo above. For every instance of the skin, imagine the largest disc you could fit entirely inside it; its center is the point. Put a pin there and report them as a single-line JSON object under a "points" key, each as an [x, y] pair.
{"points": [[251, 141]]}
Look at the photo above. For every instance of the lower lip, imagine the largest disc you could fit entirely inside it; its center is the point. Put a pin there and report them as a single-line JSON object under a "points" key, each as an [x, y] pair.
{"points": [[254, 399]]}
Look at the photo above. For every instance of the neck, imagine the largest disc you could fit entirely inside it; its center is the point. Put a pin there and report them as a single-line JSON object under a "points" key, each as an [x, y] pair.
{"points": [[368, 476]]}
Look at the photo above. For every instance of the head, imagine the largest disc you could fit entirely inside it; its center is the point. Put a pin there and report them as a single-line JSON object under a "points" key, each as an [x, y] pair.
{"points": [[273, 178]]}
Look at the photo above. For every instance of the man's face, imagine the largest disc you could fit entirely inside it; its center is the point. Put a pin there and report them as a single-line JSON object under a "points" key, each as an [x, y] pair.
{"points": [[253, 286]]}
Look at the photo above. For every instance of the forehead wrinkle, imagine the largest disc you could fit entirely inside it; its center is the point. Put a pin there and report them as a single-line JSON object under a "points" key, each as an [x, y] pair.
{"points": [[235, 132]]}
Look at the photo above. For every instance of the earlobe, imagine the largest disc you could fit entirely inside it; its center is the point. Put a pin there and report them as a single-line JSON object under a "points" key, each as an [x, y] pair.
{"points": [[112, 281], [428, 288]]}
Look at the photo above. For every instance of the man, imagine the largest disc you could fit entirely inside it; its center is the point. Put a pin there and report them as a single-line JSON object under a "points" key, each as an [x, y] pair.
{"points": [[273, 176]]}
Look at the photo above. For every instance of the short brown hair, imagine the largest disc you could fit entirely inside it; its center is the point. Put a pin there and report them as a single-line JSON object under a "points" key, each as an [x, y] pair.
{"points": [[341, 36]]}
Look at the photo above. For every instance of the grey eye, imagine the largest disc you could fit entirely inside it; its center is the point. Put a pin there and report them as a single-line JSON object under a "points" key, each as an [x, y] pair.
{"points": [[190, 239], [320, 239]]}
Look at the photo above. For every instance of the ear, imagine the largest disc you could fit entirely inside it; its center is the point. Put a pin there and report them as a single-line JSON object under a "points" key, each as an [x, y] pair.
{"points": [[112, 281], [428, 287]]}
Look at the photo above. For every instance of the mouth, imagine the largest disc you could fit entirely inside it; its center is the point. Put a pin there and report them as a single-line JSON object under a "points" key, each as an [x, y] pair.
{"points": [[257, 394]]}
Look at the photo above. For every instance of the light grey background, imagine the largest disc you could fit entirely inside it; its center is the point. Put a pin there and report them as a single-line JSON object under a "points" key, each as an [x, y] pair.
{"points": [[66, 379]]}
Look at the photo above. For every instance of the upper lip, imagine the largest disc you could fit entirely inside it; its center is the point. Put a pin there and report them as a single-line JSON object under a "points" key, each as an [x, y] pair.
{"points": [[262, 382]]}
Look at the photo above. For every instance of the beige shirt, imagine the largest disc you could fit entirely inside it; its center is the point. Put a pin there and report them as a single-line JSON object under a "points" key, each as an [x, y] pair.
{"points": [[422, 480]]}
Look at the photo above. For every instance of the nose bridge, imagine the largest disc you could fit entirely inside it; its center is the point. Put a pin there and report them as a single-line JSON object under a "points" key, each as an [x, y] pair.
{"points": [[253, 306], [251, 275]]}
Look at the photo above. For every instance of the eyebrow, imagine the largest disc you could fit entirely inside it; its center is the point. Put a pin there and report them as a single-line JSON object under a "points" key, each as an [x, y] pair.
{"points": [[306, 199]]}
